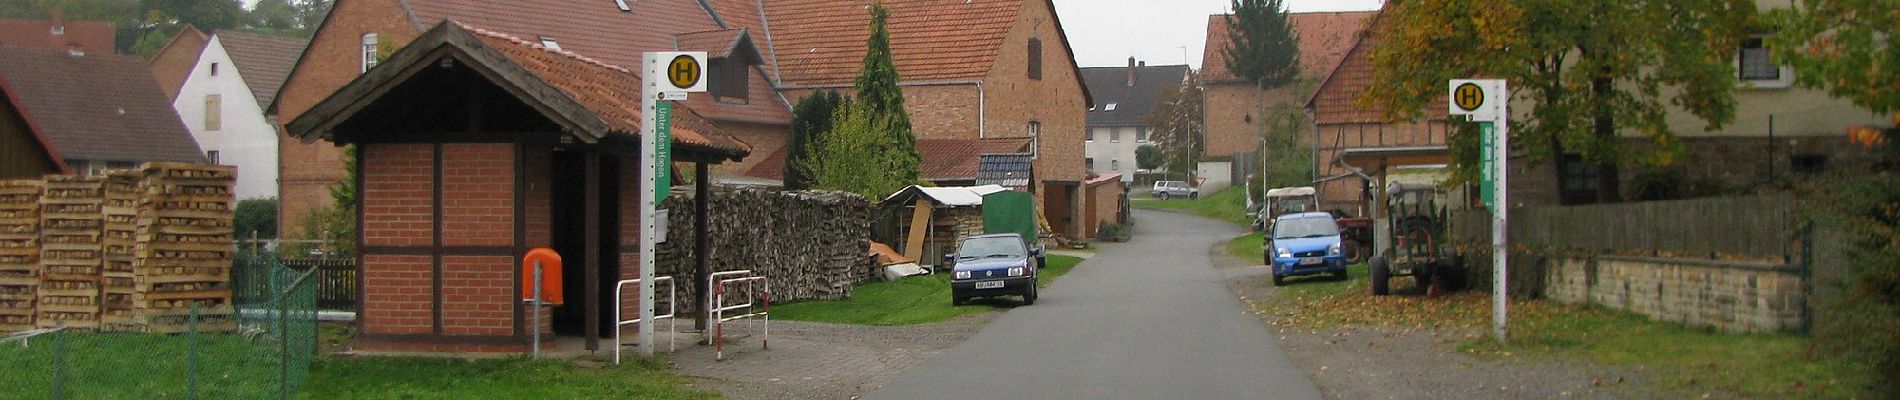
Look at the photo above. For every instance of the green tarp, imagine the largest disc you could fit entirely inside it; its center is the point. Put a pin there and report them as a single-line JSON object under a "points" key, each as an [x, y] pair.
{"points": [[1010, 211]]}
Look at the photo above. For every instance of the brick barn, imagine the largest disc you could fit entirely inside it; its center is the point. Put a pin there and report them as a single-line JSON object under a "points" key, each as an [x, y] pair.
{"points": [[474, 146]]}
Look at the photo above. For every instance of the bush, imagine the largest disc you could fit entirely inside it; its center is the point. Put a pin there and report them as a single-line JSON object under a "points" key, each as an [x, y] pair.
{"points": [[1865, 322], [256, 215], [1112, 232]]}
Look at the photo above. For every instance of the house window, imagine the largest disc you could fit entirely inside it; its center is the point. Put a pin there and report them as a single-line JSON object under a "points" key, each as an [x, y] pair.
{"points": [[1580, 180], [211, 156], [1088, 135], [1035, 138], [1114, 136], [214, 69], [1115, 165], [1141, 135], [369, 51], [1109, 108], [1035, 59], [730, 81], [214, 112], [1755, 65], [1090, 162]]}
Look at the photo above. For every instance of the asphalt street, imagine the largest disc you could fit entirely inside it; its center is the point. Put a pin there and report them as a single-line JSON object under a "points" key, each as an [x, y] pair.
{"points": [[1147, 319]]}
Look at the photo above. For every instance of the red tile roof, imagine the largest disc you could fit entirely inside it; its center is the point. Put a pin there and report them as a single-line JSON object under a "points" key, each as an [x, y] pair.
{"points": [[716, 43], [91, 36], [943, 159], [1324, 39], [599, 29], [590, 98], [96, 106], [1336, 100], [821, 42], [263, 60], [173, 63]]}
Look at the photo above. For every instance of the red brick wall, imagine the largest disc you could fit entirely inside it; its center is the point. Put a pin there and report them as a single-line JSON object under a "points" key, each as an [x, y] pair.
{"points": [[765, 139], [397, 195], [478, 202], [477, 295], [1104, 204], [306, 170], [630, 233], [396, 296]]}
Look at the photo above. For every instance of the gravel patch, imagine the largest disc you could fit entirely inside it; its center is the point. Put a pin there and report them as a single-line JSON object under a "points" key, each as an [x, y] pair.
{"points": [[815, 360]]}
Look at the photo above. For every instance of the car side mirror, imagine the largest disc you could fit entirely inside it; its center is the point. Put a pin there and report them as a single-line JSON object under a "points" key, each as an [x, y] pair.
{"points": [[950, 259], [1035, 251]]}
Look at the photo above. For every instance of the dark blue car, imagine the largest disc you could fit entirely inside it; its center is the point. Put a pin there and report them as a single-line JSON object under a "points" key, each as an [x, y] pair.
{"points": [[1305, 244], [993, 265]]}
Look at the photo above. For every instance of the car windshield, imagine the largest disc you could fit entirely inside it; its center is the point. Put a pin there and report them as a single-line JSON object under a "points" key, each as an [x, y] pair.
{"points": [[991, 247], [1296, 228]]}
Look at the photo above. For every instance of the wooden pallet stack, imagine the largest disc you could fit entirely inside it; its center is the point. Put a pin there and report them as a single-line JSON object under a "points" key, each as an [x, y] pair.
{"points": [[184, 247], [121, 227], [19, 253], [71, 229]]}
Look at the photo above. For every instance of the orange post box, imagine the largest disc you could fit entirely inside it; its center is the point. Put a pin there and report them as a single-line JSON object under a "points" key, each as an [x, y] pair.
{"points": [[550, 275]]}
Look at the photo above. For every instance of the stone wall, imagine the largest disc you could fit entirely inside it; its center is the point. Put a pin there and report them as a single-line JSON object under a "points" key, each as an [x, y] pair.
{"points": [[1725, 295]]}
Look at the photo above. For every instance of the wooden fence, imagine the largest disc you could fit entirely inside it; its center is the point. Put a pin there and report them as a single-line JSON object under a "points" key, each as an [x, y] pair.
{"points": [[335, 279], [1737, 228]]}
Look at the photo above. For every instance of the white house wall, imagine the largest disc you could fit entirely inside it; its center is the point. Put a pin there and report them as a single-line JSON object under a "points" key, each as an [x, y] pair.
{"points": [[245, 138], [1111, 155]]}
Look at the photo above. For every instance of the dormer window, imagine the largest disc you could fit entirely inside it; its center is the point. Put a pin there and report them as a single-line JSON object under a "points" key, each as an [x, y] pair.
{"points": [[730, 82], [550, 44]]}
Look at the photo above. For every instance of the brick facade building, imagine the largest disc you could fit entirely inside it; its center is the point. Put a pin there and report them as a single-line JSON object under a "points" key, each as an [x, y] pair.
{"points": [[536, 149], [1234, 115], [982, 69]]}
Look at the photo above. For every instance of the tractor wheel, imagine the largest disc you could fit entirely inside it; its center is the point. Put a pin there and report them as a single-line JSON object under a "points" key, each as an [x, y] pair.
{"points": [[1353, 252], [1381, 272]]}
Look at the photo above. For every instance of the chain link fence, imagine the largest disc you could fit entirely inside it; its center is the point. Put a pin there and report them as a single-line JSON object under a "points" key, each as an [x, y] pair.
{"points": [[261, 349]]}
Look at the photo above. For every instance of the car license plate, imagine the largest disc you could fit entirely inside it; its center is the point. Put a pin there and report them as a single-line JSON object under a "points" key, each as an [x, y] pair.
{"points": [[990, 285], [1312, 261]]}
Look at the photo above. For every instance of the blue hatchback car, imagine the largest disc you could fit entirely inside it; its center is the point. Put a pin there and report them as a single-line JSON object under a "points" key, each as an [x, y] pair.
{"points": [[993, 265], [1305, 244]]}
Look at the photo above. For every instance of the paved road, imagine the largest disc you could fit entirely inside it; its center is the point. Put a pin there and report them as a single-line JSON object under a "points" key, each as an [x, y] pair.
{"points": [[1148, 319]]}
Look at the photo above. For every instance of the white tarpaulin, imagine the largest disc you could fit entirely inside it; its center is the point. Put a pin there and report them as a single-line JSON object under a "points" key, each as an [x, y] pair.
{"points": [[950, 196]]}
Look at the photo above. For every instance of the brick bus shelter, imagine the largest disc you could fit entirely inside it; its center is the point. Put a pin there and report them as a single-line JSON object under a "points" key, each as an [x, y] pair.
{"points": [[473, 147]]}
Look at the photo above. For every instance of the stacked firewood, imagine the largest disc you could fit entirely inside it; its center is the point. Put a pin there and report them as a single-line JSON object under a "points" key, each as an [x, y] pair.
{"points": [[71, 230], [121, 226], [809, 244], [184, 247], [19, 253]]}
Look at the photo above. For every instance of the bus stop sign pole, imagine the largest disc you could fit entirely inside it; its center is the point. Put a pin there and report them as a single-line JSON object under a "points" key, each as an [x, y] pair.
{"points": [[668, 76], [1487, 101]]}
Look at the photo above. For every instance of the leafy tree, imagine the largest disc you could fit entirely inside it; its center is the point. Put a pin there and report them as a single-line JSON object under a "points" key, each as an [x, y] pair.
{"points": [[1845, 46], [810, 120], [1148, 157], [883, 102], [1589, 70], [1178, 128], [1288, 162], [310, 14], [869, 149], [1262, 49], [274, 16], [257, 216]]}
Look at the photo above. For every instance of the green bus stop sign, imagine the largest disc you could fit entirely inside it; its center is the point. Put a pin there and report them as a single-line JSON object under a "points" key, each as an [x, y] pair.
{"points": [[1488, 153], [662, 151]]}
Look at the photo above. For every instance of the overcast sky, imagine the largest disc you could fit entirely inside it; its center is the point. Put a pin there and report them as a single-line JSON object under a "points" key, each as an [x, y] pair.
{"points": [[1106, 32]]}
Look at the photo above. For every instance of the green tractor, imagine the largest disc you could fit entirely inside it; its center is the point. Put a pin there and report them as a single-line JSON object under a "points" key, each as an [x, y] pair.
{"points": [[1417, 244]]}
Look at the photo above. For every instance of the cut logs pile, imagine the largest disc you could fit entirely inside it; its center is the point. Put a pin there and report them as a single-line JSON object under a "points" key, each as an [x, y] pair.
{"points": [[71, 229], [184, 247], [121, 227], [809, 244], [19, 253], [126, 251]]}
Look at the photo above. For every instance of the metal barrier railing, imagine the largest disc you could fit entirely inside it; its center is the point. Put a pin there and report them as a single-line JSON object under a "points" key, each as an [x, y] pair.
{"points": [[762, 308], [672, 308]]}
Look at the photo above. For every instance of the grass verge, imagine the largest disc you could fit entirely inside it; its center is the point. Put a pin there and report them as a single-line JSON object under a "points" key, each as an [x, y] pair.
{"points": [[1248, 247], [138, 366], [511, 378], [1687, 361], [1228, 205], [906, 301]]}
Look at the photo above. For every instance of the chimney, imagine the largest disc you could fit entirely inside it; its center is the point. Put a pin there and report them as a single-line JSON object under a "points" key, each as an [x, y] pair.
{"points": [[1131, 71]]}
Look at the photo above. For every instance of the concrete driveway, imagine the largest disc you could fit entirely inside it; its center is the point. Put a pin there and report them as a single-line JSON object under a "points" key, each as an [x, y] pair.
{"points": [[1148, 319]]}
